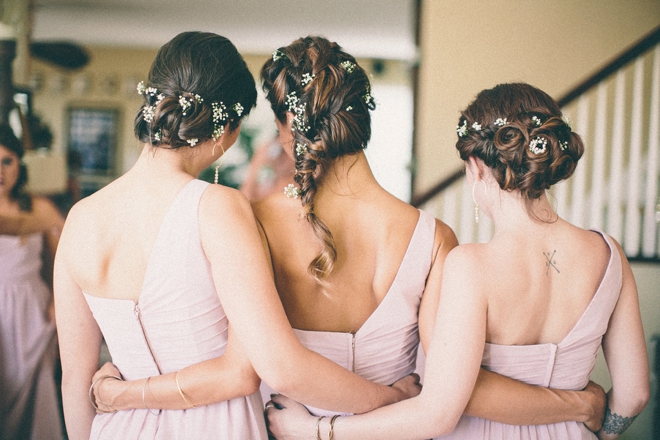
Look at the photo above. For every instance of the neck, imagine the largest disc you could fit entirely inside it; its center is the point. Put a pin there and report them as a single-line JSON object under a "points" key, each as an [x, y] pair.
{"points": [[159, 161], [509, 212], [348, 175]]}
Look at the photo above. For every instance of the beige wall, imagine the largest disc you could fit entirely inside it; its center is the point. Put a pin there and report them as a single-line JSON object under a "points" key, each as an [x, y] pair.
{"points": [[470, 45]]}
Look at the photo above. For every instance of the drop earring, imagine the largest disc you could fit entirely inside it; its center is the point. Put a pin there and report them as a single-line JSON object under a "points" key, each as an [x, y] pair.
{"points": [[217, 167], [474, 199]]}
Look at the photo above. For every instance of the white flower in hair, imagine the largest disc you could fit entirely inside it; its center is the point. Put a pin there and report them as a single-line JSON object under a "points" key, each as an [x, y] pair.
{"points": [[238, 108], [476, 126], [348, 66], [141, 88], [563, 145], [185, 104], [291, 191], [537, 121], [148, 113], [538, 145], [278, 54], [349, 108], [300, 149], [500, 122], [293, 105], [567, 121], [193, 141], [307, 78], [462, 129]]}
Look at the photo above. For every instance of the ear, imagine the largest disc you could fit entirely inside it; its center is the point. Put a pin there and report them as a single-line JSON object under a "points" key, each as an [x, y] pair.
{"points": [[477, 166], [289, 119]]}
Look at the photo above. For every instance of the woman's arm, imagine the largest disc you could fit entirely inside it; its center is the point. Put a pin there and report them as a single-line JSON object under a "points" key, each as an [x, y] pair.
{"points": [[627, 361], [79, 342], [223, 378], [247, 292], [452, 366]]}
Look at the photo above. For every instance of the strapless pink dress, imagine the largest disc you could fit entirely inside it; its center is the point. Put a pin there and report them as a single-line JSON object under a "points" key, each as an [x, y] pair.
{"points": [[29, 408], [566, 365], [178, 321], [384, 349]]}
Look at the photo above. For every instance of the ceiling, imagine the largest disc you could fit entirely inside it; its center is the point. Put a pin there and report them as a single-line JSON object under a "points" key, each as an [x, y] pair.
{"points": [[365, 28]]}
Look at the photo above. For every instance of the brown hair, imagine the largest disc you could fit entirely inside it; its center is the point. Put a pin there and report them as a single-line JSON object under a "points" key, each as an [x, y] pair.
{"points": [[9, 140], [530, 113], [191, 65], [334, 100]]}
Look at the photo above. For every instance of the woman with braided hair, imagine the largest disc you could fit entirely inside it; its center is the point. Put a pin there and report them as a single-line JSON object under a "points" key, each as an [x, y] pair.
{"points": [[358, 271], [534, 304]]}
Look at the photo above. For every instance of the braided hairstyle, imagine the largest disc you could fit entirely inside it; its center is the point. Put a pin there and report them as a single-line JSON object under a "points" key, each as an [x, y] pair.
{"points": [[191, 74], [520, 134], [329, 95], [9, 140]]}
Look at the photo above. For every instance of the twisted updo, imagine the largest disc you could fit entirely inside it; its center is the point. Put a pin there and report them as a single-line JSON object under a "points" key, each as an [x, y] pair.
{"points": [[329, 95], [191, 72], [9, 140], [520, 134]]}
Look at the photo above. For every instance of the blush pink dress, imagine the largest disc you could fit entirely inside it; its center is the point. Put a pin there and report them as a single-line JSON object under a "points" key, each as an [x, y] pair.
{"points": [[384, 349], [566, 365], [177, 322], [29, 407]]}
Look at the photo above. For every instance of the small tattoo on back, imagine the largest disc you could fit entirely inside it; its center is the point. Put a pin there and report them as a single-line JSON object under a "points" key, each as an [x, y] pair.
{"points": [[550, 261]]}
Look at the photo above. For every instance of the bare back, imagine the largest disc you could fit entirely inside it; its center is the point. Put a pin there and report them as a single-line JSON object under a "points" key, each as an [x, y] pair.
{"points": [[115, 230], [539, 285], [371, 234]]}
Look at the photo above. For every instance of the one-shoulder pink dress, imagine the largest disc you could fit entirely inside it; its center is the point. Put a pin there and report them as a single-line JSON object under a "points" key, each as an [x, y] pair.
{"points": [[566, 365], [177, 322], [29, 407], [384, 349]]}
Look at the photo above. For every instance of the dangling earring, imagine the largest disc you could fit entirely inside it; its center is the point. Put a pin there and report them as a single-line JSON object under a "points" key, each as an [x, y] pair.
{"points": [[217, 168], [213, 151], [476, 205]]}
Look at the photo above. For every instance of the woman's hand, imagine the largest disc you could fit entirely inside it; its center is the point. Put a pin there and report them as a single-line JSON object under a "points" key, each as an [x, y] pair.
{"points": [[107, 389], [288, 419], [408, 386], [596, 398]]}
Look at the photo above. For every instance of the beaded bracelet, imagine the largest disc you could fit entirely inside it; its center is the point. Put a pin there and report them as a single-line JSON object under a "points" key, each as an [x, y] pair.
{"points": [[91, 393]]}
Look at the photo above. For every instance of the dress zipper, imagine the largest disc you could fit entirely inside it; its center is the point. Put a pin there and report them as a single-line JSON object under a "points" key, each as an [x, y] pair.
{"points": [[146, 338]]}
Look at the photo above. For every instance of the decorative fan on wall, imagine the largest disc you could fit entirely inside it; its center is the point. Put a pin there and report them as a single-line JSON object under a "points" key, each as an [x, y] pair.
{"points": [[63, 54]]}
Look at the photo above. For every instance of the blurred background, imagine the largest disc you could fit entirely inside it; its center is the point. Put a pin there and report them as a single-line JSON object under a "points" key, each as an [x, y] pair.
{"points": [[69, 70]]}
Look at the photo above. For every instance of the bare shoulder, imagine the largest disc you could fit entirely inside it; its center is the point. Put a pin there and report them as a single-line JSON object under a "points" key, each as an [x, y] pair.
{"points": [[444, 236], [276, 208], [45, 208], [224, 207]]}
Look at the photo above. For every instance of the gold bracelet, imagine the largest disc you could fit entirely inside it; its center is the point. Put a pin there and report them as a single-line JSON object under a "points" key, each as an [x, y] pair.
{"points": [[178, 387], [318, 427], [332, 426], [91, 393], [144, 400]]}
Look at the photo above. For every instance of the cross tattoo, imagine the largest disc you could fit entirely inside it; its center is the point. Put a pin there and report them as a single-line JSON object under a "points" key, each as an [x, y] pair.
{"points": [[550, 261]]}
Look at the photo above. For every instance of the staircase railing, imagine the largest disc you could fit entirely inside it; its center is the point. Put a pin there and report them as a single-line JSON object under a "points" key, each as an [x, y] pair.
{"points": [[615, 186]]}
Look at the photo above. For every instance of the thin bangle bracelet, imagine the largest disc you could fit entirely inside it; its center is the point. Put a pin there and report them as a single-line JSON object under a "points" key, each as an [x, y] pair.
{"points": [[91, 393], [331, 434], [318, 427], [144, 400], [178, 387]]}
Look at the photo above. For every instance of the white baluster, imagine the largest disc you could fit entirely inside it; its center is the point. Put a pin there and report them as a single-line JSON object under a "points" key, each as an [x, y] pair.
{"points": [[578, 206], [650, 225], [616, 190], [599, 151], [632, 226]]}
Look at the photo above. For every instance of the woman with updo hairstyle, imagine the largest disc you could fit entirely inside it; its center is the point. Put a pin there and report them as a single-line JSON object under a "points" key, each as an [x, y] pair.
{"points": [[29, 406], [159, 263], [534, 304]]}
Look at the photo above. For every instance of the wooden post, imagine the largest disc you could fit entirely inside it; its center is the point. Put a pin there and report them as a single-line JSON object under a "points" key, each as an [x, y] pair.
{"points": [[7, 55]]}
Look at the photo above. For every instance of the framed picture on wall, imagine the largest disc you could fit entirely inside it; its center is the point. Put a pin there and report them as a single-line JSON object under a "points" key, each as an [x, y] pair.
{"points": [[92, 140]]}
